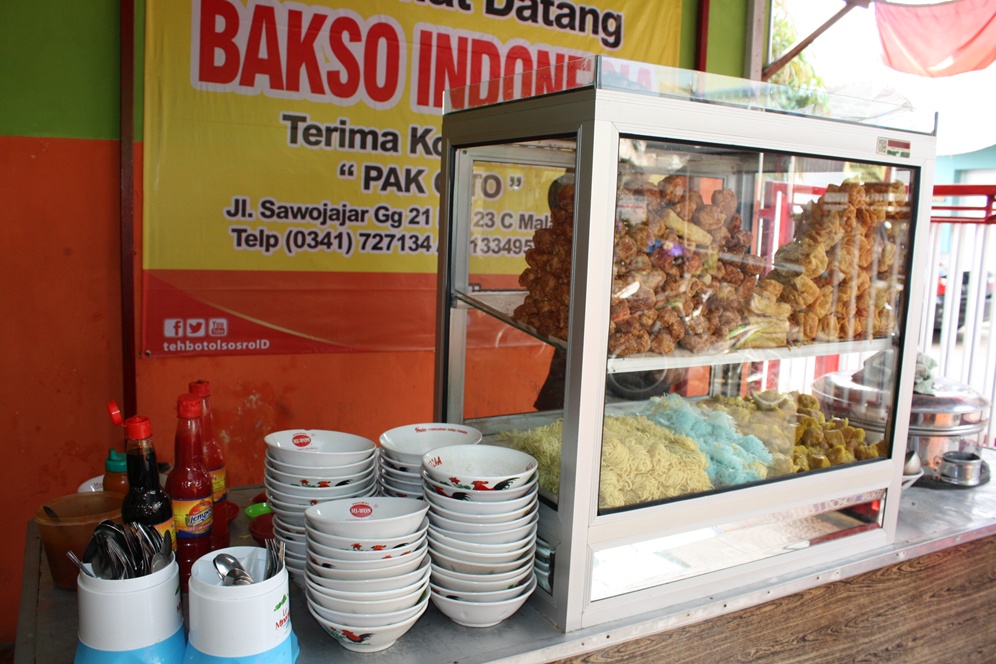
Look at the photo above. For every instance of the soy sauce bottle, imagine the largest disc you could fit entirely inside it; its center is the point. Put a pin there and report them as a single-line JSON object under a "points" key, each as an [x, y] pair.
{"points": [[189, 488], [214, 461], [145, 502]]}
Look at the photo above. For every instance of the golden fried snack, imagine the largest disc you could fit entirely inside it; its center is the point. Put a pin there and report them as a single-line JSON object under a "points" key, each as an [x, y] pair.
{"points": [[622, 344], [662, 343], [625, 249], [685, 229], [824, 304], [808, 323], [725, 200], [673, 188], [766, 332], [800, 292], [687, 206], [709, 217], [802, 255], [829, 329]]}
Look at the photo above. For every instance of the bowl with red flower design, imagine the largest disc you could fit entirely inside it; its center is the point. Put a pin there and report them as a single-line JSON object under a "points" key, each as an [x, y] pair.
{"points": [[485, 495], [364, 639], [479, 467], [367, 543]]}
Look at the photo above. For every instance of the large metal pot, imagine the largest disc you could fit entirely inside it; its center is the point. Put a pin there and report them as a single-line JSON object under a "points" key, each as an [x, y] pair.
{"points": [[950, 420]]}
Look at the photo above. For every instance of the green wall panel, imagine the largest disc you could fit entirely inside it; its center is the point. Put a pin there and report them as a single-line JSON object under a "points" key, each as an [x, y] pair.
{"points": [[727, 37], [59, 68]]}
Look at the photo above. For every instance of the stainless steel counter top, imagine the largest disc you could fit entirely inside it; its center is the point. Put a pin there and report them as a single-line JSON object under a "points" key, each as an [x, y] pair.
{"points": [[929, 520]]}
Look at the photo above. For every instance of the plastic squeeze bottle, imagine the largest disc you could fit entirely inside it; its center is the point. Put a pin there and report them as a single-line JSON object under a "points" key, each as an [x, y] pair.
{"points": [[189, 488], [146, 501], [115, 473], [214, 461]]}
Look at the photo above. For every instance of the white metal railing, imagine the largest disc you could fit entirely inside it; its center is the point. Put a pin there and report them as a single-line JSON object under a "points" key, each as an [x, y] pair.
{"points": [[956, 326]]}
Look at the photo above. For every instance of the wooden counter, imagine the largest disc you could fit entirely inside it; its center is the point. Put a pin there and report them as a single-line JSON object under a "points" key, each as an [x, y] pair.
{"points": [[931, 596]]}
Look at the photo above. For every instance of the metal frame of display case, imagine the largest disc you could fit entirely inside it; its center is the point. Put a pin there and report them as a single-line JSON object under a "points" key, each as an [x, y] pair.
{"points": [[596, 118]]}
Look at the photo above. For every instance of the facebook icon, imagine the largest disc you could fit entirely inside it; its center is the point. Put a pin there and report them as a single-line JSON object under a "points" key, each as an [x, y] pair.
{"points": [[172, 328]]}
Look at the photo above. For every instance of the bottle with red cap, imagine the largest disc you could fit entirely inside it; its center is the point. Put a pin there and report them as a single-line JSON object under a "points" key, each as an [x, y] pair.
{"points": [[145, 501], [214, 461], [189, 488]]}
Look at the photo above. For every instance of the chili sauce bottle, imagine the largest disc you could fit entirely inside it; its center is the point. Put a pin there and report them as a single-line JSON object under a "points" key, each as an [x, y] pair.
{"points": [[214, 461], [146, 502], [116, 472], [189, 488]]}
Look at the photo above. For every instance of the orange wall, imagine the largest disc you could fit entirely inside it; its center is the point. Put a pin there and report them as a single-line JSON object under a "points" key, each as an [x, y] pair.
{"points": [[60, 332]]}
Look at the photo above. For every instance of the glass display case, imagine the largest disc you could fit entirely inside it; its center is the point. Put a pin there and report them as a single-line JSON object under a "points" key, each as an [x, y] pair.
{"points": [[642, 275]]}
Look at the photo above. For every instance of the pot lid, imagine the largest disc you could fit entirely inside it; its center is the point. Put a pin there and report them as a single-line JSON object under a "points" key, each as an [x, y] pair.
{"points": [[952, 405]]}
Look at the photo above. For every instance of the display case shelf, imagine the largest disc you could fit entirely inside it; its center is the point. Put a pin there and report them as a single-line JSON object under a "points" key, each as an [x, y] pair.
{"points": [[501, 304]]}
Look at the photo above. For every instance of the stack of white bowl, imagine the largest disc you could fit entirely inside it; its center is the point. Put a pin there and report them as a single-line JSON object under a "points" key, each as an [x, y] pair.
{"points": [[483, 514], [402, 448], [307, 467], [367, 571]]}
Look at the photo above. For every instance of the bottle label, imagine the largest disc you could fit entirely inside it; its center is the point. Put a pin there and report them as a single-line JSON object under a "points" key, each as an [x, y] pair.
{"points": [[167, 526], [219, 485], [193, 518]]}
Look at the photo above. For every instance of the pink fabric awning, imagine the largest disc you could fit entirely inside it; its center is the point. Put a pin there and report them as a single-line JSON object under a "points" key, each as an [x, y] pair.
{"points": [[940, 39]]}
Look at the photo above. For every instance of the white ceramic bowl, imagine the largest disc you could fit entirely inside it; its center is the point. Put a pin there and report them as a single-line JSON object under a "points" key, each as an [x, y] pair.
{"points": [[487, 495], [295, 549], [398, 475], [295, 494], [481, 583], [365, 639], [506, 516], [439, 521], [368, 518], [500, 537], [322, 487], [350, 555], [316, 478], [318, 473], [399, 466], [366, 605], [289, 532], [373, 586], [508, 576], [318, 447], [463, 545], [366, 544], [484, 596], [408, 443], [390, 568], [371, 619], [478, 614], [481, 557], [385, 559], [467, 567], [292, 516], [481, 507], [402, 487], [479, 466], [333, 589], [394, 493]]}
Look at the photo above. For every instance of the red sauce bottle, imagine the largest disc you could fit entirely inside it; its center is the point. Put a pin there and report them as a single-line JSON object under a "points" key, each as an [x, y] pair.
{"points": [[146, 502], [189, 488], [214, 461]]}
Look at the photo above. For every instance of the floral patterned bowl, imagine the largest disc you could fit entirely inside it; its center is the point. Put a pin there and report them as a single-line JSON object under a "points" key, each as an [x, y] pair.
{"points": [[479, 467]]}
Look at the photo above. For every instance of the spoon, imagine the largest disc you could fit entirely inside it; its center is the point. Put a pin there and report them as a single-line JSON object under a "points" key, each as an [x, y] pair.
{"points": [[226, 563], [79, 563], [237, 577]]}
